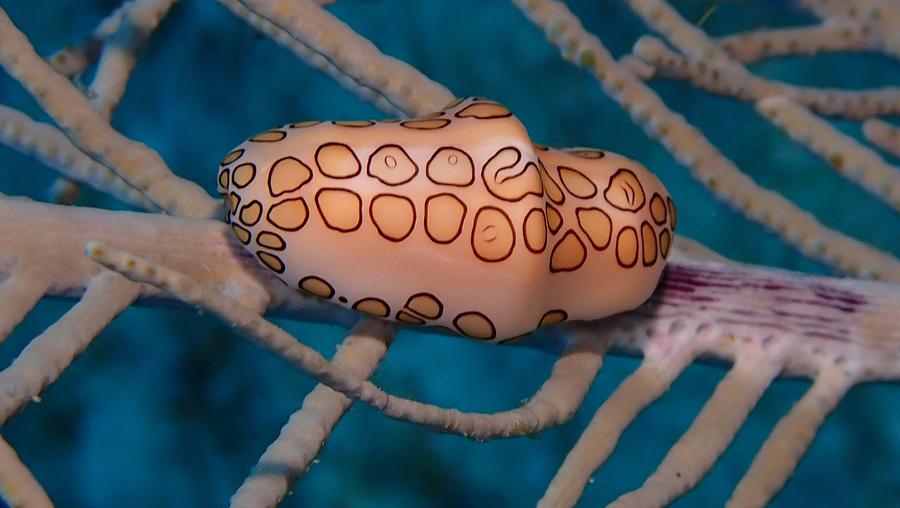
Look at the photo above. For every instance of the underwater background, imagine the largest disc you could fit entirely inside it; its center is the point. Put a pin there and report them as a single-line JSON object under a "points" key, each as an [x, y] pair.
{"points": [[171, 408]]}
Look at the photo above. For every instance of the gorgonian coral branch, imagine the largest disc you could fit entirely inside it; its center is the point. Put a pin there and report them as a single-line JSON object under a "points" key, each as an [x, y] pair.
{"points": [[120, 50], [544, 410], [782, 450], [50, 146], [18, 486], [829, 36], [48, 354], [134, 22], [741, 84], [140, 166], [707, 163], [879, 17], [694, 454], [74, 59], [598, 440], [305, 433], [847, 156], [883, 135], [328, 44]]}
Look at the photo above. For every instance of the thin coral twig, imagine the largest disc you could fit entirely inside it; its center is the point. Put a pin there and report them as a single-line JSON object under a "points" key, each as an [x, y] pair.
{"points": [[18, 487], [48, 354], [707, 163], [547, 408], [20, 291], [879, 17], [712, 431], [830, 36], [142, 167], [741, 84], [847, 156], [120, 51], [301, 438], [758, 44], [74, 59], [779, 455], [884, 135], [135, 21], [598, 440], [328, 44], [50, 146]]}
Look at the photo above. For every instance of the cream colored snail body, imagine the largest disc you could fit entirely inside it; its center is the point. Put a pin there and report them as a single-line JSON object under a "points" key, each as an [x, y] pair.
{"points": [[456, 220]]}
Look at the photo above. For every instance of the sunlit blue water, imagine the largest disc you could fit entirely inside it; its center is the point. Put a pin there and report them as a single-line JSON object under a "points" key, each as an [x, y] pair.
{"points": [[169, 408]]}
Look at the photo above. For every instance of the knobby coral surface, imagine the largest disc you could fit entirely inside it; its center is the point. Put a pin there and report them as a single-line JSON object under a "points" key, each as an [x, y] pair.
{"points": [[761, 322]]}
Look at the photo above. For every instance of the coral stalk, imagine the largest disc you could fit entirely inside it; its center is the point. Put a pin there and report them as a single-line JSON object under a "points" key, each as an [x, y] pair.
{"points": [[599, 439], [50, 146], [743, 85], [847, 156], [831, 35], [707, 163], [541, 412], [301, 438], [712, 431], [18, 486], [139, 165], [781, 452], [48, 354], [884, 135], [328, 44]]}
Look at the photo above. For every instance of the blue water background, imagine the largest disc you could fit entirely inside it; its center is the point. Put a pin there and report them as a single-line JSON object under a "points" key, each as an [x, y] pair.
{"points": [[171, 408]]}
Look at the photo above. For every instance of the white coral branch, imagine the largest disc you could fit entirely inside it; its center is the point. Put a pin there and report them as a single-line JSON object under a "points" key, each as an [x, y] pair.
{"points": [[305, 433], [721, 79], [707, 163], [48, 354], [545, 409], [847, 156], [50, 146], [330, 45], [18, 486], [884, 135], [139, 165]]}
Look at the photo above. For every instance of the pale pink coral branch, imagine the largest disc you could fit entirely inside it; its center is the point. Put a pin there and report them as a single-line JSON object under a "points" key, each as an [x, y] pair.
{"points": [[547, 408], [73, 60], [847, 156], [139, 165], [140, 19], [779, 455], [599, 438], [880, 17], [206, 251], [754, 45], [680, 331], [20, 291], [18, 487], [780, 303], [136, 21], [305, 433], [48, 354], [708, 165], [883, 135], [50, 146], [708, 66], [829, 36], [328, 44], [713, 430]]}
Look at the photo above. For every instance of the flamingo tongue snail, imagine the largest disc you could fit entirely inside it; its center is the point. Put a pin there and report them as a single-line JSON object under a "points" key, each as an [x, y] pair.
{"points": [[455, 221]]}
